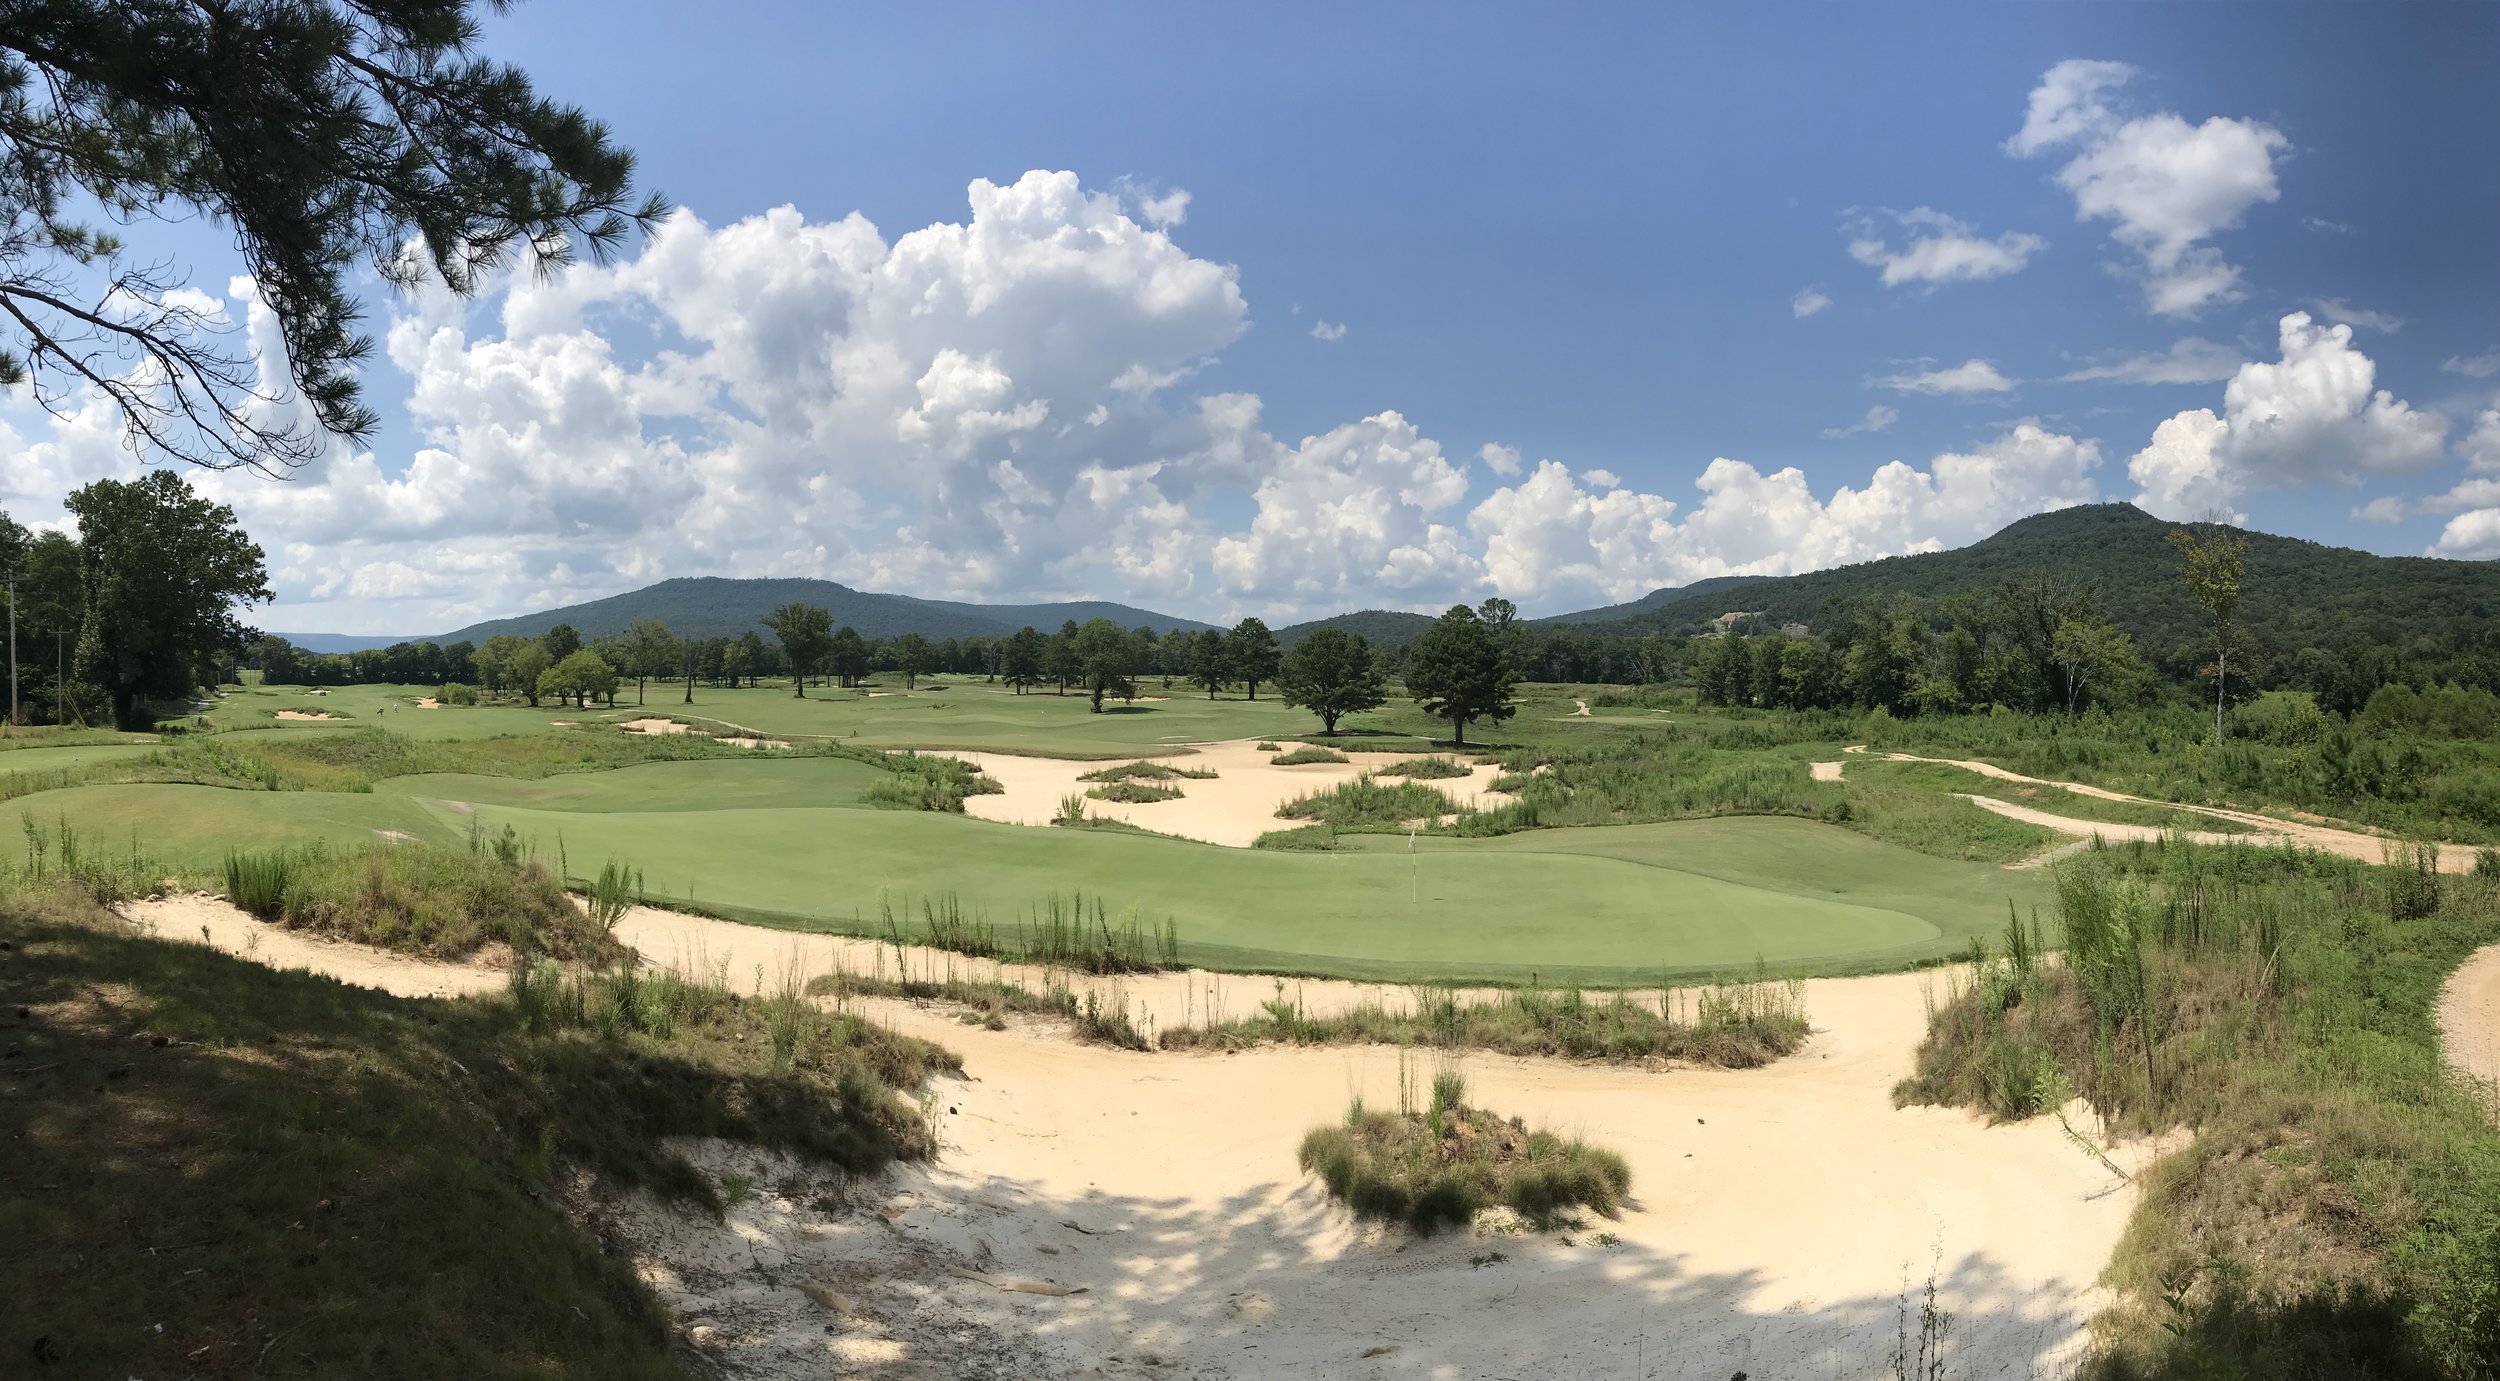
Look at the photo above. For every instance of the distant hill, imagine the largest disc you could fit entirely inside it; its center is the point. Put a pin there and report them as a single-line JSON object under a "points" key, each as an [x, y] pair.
{"points": [[338, 642], [1383, 627], [1655, 599], [710, 606], [2296, 593]]}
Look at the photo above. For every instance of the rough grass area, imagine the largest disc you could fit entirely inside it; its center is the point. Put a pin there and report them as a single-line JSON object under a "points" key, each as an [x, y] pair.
{"points": [[1147, 771], [1441, 1166], [418, 898], [1307, 753], [927, 781], [2338, 1212], [1435, 767], [1735, 1026], [220, 1170], [1135, 793], [1368, 801]]}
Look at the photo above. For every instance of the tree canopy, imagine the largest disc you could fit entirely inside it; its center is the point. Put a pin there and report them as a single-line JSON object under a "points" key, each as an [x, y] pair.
{"points": [[1105, 660], [1457, 672], [161, 570], [1251, 650], [806, 634], [328, 136], [1332, 673]]}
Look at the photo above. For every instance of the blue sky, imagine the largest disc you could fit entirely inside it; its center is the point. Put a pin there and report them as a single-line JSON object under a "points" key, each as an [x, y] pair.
{"points": [[1586, 235]]}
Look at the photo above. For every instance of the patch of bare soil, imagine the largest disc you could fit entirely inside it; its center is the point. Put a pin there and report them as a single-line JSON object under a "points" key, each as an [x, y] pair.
{"points": [[2469, 1018]]}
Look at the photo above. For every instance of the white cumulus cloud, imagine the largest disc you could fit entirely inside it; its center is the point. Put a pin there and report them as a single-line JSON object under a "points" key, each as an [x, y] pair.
{"points": [[2314, 416], [1940, 249], [2166, 185], [1808, 301], [1329, 330]]}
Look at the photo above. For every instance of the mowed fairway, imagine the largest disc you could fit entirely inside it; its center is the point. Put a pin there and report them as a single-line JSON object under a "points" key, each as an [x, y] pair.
{"points": [[785, 842]]}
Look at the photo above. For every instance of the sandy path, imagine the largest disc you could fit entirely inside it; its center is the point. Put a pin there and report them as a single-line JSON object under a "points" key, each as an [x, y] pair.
{"points": [[2067, 824], [1234, 807], [1776, 1212], [2351, 843], [2469, 1017], [221, 926]]}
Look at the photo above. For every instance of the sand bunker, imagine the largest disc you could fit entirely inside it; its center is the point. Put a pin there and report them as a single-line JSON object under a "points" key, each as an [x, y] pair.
{"points": [[2351, 843], [2469, 1017], [656, 726], [221, 926], [1775, 1214], [745, 742], [427, 702], [1826, 771], [1234, 807], [306, 714]]}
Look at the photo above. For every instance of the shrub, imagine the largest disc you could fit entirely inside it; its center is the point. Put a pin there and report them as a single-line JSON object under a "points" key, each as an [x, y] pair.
{"points": [[1149, 771], [455, 693], [1267, 747]]}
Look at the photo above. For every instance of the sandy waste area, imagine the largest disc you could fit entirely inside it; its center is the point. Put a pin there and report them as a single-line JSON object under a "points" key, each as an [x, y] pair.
{"points": [[1234, 807], [306, 714], [1099, 1213], [2266, 829]]}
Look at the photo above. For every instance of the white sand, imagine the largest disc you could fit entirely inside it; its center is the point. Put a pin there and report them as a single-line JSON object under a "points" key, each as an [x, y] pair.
{"points": [[1776, 1213], [1235, 807], [302, 714], [2469, 1018], [1826, 771], [427, 702], [2348, 841], [745, 742], [656, 726]]}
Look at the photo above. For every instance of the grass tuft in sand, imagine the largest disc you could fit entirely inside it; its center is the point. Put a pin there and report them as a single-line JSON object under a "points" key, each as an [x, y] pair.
{"points": [[1433, 768], [1307, 753], [1442, 1165], [418, 898]]}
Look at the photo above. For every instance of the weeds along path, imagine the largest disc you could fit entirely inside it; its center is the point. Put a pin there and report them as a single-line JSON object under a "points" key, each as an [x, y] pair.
{"points": [[2351, 843], [1775, 1217], [2469, 1017]]}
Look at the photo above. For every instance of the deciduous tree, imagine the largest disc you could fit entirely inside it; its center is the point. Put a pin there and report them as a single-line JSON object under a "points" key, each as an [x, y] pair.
{"points": [[1252, 651], [2212, 568], [1332, 673], [1209, 663], [161, 570], [1456, 672], [806, 634], [1105, 661], [911, 657]]}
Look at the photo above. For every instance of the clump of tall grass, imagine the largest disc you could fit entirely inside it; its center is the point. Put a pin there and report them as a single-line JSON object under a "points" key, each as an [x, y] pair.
{"points": [[1151, 771], [1370, 801], [1442, 1164], [1074, 932], [60, 854], [1434, 767], [1319, 838], [1734, 1025], [2338, 1210], [1267, 747], [1307, 753], [927, 781], [418, 897], [1135, 793], [613, 893], [257, 881]]}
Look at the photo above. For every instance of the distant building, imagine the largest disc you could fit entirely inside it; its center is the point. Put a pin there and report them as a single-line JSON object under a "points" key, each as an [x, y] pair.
{"points": [[1795, 630]]}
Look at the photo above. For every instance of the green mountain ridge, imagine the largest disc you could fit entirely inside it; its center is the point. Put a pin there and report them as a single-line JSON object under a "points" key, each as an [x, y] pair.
{"points": [[2297, 593], [715, 606]]}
